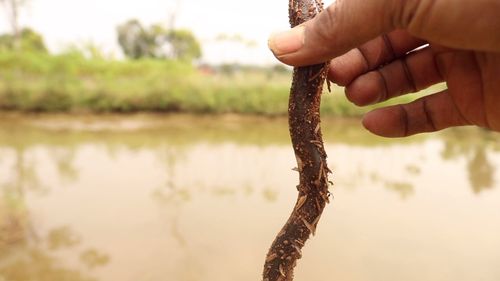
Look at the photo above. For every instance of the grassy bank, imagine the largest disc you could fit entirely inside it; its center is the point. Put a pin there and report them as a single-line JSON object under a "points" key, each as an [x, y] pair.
{"points": [[33, 82]]}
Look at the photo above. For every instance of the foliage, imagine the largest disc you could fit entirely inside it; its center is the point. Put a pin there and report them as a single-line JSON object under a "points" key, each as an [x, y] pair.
{"points": [[87, 49], [12, 8], [138, 42], [30, 41], [184, 45], [72, 82], [134, 40]]}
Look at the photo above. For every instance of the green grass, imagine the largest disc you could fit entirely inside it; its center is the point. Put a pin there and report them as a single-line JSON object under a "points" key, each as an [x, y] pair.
{"points": [[33, 82]]}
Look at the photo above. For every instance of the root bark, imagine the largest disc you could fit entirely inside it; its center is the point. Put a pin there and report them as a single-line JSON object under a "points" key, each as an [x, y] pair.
{"points": [[305, 132]]}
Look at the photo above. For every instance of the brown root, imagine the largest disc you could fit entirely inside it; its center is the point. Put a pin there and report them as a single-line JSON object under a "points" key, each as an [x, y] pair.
{"points": [[305, 132]]}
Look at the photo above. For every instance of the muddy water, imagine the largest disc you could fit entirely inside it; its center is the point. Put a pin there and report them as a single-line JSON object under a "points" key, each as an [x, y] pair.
{"points": [[185, 198]]}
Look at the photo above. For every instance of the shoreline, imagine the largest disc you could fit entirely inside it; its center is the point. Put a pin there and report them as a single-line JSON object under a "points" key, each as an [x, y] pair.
{"points": [[140, 120]]}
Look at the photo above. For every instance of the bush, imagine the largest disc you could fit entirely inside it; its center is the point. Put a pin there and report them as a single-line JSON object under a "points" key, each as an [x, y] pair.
{"points": [[70, 82]]}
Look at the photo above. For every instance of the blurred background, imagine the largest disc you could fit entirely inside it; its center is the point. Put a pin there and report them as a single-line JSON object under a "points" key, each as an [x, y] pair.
{"points": [[148, 140]]}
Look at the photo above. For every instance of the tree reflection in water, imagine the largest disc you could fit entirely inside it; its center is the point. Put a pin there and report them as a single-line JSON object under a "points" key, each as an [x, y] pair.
{"points": [[172, 198], [25, 253], [474, 145], [481, 171]]}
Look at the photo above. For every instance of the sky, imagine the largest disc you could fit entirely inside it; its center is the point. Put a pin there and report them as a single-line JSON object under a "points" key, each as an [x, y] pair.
{"points": [[67, 22]]}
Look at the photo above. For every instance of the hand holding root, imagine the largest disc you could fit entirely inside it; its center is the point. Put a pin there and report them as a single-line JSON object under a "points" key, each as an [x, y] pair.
{"points": [[382, 49]]}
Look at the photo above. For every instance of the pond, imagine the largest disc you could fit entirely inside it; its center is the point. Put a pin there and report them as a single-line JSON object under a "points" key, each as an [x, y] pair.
{"points": [[185, 198]]}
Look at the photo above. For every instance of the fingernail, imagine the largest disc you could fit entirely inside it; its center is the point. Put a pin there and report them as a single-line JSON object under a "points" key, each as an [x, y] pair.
{"points": [[287, 42]]}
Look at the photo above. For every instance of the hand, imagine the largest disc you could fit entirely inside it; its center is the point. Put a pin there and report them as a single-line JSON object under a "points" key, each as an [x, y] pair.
{"points": [[373, 44]]}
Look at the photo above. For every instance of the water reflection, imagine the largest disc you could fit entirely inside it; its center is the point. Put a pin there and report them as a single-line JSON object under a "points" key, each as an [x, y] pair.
{"points": [[141, 198], [26, 252], [481, 171], [62, 237], [474, 145], [403, 188]]}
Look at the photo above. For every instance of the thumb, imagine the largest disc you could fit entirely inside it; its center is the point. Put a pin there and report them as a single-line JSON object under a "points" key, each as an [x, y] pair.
{"points": [[342, 26]]}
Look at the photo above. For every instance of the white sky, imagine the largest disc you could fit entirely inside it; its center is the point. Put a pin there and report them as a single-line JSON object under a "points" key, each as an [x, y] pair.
{"points": [[66, 22]]}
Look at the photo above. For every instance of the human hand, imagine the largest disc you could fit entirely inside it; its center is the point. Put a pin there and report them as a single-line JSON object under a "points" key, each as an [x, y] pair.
{"points": [[373, 44]]}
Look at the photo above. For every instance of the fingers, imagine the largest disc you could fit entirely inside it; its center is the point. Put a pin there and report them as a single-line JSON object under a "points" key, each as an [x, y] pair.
{"points": [[345, 24], [428, 114], [371, 55], [338, 29], [416, 71]]}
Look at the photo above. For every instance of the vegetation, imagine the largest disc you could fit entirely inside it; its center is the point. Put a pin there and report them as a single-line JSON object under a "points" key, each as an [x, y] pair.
{"points": [[70, 82], [12, 9], [157, 42], [34, 81], [29, 41], [159, 76]]}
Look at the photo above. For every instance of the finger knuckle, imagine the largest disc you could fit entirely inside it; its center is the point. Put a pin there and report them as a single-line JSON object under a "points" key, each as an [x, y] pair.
{"points": [[326, 20], [412, 14]]}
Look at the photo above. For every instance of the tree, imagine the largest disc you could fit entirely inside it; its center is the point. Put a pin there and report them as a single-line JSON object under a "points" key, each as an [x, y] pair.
{"points": [[134, 40], [184, 45], [28, 40], [137, 42], [12, 9]]}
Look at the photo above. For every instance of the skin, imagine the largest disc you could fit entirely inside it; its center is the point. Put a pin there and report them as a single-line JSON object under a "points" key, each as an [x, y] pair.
{"points": [[371, 45]]}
